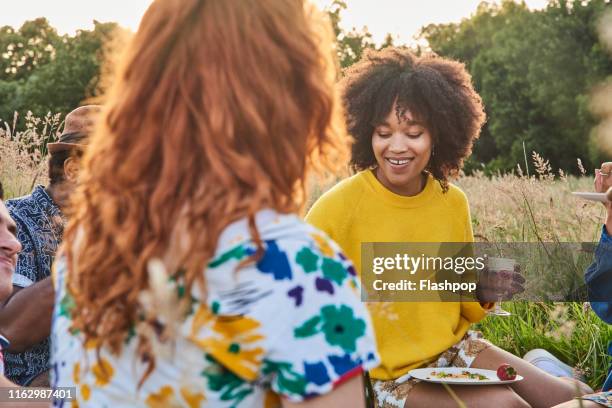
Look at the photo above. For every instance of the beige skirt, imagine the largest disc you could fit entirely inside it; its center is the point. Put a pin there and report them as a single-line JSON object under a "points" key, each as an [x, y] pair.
{"points": [[393, 393]]}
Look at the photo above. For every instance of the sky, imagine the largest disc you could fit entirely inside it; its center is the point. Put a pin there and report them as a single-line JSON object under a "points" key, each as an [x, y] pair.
{"points": [[401, 18]]}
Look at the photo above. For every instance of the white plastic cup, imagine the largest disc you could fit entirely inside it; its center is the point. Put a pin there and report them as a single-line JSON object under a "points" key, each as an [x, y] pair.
{"points": [[501, 264]]}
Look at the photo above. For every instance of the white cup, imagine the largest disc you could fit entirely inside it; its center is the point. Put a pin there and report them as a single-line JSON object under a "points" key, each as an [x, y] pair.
{"points": [[501, 264]]}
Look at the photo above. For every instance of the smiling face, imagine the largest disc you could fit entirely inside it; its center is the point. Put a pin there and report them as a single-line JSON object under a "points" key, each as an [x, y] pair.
{"points": [[402, 148], [9, 249]]}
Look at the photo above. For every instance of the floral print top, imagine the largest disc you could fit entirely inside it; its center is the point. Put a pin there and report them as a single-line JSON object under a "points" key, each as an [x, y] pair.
{"points": [[289, 326]]}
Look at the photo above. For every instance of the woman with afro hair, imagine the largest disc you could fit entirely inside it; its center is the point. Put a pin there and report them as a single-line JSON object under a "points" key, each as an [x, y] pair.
{"points": [[414, 120]]}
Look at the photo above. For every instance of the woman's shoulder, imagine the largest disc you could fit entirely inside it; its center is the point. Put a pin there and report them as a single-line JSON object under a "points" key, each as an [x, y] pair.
{"points": [[343, 188], [290, 250], [455, 195], [337, 201]]}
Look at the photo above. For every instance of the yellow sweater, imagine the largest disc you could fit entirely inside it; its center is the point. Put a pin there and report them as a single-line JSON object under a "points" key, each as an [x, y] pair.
{"points": [[360, 209]]}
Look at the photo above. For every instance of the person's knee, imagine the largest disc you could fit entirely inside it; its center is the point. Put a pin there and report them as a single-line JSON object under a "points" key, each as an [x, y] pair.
{"points": [[584, 388], [578, 404], [576, 388]]}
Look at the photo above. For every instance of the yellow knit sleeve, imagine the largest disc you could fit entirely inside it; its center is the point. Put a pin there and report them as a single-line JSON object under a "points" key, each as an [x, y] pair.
{"points": [[327, 213]]}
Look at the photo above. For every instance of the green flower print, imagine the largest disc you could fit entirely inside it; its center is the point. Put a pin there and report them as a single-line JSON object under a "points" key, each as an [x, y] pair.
{"points": [[237, 253], [289, 382], [307, 259], [130, 334], [341, 327], [215, 307], [338, 324], [66, 305], [309, 328], [334, 270], [229, 385]]}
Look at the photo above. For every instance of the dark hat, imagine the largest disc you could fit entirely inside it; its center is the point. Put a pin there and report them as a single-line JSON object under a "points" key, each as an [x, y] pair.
{"points": [[78, 125]]}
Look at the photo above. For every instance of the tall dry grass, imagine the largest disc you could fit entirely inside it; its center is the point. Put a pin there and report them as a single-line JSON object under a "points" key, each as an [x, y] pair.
{"points": [[517, 207], [23, 153]]}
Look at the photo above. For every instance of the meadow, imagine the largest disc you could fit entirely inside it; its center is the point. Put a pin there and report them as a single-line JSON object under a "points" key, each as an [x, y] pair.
{"points": [[540, 207], [519, 206]]}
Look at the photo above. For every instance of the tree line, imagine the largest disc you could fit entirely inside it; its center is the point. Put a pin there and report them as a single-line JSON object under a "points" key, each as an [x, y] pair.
{"points": [[535, 70], [42, 71]]}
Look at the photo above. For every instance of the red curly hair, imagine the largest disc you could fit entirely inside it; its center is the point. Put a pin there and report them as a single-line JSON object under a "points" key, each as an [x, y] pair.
{"points": [[219, 109]]}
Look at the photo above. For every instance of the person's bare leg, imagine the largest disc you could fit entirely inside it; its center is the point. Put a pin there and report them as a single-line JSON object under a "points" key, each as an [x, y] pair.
{"points": [[471, 396], [539, 388], [576, 404]]}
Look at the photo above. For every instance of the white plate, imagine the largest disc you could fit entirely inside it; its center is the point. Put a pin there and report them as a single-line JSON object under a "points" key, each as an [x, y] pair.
{"points": [[601, 197], [425, 375]]}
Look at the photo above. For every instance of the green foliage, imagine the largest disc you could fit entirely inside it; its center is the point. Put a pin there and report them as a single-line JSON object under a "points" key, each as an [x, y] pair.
{"points": [[23, 50], [42, 72], [535, 71], [351, 44]]}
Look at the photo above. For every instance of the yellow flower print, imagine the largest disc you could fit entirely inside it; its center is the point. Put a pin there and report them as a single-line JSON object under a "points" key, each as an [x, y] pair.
{"points": [[244, 363], [76, 373], [91, 344], [85, 392], [193, 400], [323, 245], [164, 398], [237, 327], [103, 371], [230, 341], [202, 317]]}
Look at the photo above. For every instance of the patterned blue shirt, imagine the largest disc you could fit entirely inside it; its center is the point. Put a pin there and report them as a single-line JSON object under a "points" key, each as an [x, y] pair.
{"points": [[40, 226]]}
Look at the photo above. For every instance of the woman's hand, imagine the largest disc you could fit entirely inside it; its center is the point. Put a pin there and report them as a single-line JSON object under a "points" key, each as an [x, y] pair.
{"points": [[505, 283], [603, 184], [603, 180]]}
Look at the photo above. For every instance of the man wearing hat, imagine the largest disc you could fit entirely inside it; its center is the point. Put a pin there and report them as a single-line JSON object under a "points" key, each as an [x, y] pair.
{"points": [[25, 319]]}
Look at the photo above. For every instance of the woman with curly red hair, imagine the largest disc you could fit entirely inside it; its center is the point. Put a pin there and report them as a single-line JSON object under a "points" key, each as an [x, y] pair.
{"points": [[186, 277], [414, 120]]}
